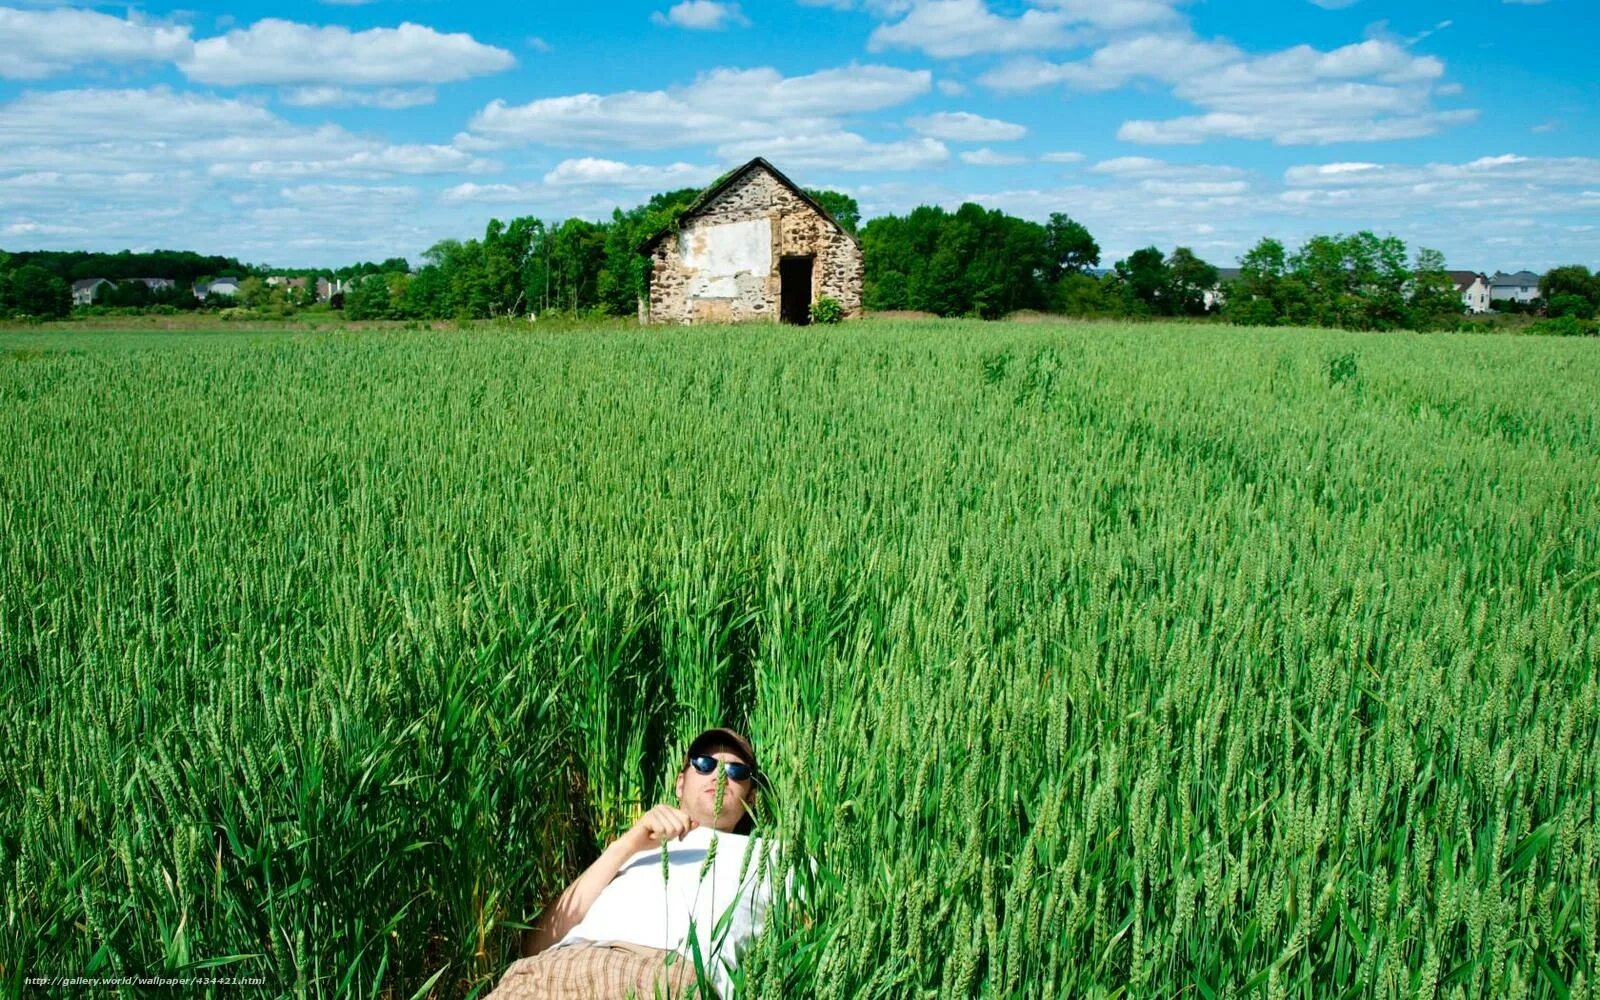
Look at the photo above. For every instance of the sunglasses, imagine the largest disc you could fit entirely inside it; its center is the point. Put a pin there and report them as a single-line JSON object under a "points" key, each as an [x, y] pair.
{"points": [[737, 771]]}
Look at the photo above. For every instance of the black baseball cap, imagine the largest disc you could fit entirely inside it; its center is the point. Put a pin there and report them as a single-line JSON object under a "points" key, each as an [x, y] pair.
{"points": [[720, 736]]}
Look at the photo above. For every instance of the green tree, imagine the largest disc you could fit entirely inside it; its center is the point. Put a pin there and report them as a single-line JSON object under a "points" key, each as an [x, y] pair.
{"points": [[841, 206], [36, 292], [1256, 297], [1571, 290], [1189, 279], [1143, 282], [1434, 303], [253, 292], [1069, 249], [1081, 295], [367, 297]]}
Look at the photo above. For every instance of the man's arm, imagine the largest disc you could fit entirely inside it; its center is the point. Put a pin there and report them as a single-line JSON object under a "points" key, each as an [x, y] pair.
{"points": [[661, 823]]}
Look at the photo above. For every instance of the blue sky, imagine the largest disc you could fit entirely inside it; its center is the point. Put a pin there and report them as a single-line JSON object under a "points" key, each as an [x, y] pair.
{"points": [[315, 134]]}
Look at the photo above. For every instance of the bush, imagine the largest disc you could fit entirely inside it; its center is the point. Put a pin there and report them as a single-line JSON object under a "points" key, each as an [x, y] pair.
{"points": [[1571, 305], [827, 310], [1564, 326]]}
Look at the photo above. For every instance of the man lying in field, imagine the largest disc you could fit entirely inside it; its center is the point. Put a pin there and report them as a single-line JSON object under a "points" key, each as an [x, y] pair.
{"points": [[623, 927]]}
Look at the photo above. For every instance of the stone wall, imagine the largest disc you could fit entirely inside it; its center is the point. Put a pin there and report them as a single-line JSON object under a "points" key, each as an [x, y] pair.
{"points": [[708, 272]]}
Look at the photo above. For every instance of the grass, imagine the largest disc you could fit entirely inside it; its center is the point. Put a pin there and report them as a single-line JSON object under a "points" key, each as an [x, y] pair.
{"points": [[1088, 660]]}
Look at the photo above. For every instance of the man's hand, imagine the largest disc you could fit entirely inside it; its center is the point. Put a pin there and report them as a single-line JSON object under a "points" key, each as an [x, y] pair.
{"points": [[662, 823]]}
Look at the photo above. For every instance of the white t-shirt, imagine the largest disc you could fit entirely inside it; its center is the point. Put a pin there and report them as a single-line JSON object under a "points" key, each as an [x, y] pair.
{"points": [[640, 907]]}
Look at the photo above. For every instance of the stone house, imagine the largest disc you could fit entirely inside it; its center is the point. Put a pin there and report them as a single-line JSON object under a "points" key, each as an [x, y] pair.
{"points": [[754, 246]]}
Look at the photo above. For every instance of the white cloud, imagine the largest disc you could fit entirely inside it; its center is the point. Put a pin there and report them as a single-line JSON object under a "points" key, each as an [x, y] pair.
{"points": [[1062, 156], [1289, 129], [44, 42], [964, 126], [391, 98], [1147, 166], [987, 157], [731, 104], [470, 191], [951, 88], [1169, 58], [702, 15], [73, 117], [113, 131], [952, 28], [1117, 14], [1372, 90], [285, 52], [840, 151], [589, 171], [353, 196]]}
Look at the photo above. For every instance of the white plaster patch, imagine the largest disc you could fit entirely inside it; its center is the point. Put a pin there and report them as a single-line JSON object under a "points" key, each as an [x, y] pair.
{"points": [[714, 286], [718, 253]]}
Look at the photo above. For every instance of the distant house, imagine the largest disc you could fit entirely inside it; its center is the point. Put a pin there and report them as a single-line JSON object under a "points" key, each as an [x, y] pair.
{"points": [[1523, 286], [222, 286], [84, 291], [1473, 287], [1217, 295], [275, 280], [326, 289], [155, 284]]}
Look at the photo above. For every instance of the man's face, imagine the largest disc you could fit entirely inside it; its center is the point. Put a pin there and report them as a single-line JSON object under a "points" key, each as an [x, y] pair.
{"points": [[697, 793]]}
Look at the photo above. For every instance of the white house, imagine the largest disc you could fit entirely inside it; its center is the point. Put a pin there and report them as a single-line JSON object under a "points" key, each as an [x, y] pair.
{"points": [[84, 291], [1473, 287], [222, 286], [155, 284], [1522, 286], [1217, 295]]}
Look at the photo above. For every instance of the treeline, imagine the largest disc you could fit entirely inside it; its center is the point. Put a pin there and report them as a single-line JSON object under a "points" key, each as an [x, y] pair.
{"points": [[30, 290], [970, 262], [526, 267], [182, 266], [985, 263], [973, 261]]}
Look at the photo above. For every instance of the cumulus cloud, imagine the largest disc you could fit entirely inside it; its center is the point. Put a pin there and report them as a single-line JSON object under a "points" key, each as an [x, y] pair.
{"points": [[275, 51], [845, 151], [952, 28], [113, 131], [987, 157], [702, 15], [731, 104], [1117, 14], [158, 167], [73, 117], [40, 43], [589, 171], [391, 98], [964, 126], [1371, 90]]}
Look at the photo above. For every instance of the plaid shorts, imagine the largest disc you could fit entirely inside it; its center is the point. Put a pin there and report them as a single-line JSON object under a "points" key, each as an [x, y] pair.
{"points": [[600, 970]]}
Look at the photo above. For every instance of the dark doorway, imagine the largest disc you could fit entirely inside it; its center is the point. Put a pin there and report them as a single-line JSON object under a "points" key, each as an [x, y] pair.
{"points": [[794, 274]]}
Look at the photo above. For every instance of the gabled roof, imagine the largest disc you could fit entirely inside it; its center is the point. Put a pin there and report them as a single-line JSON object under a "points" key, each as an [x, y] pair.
{"points": [[711, 194], [83, 283], [1519, 278], [1464, 279]]}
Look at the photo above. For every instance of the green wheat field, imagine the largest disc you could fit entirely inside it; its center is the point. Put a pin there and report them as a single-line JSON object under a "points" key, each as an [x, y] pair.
{"points": [[1086, 660]]}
